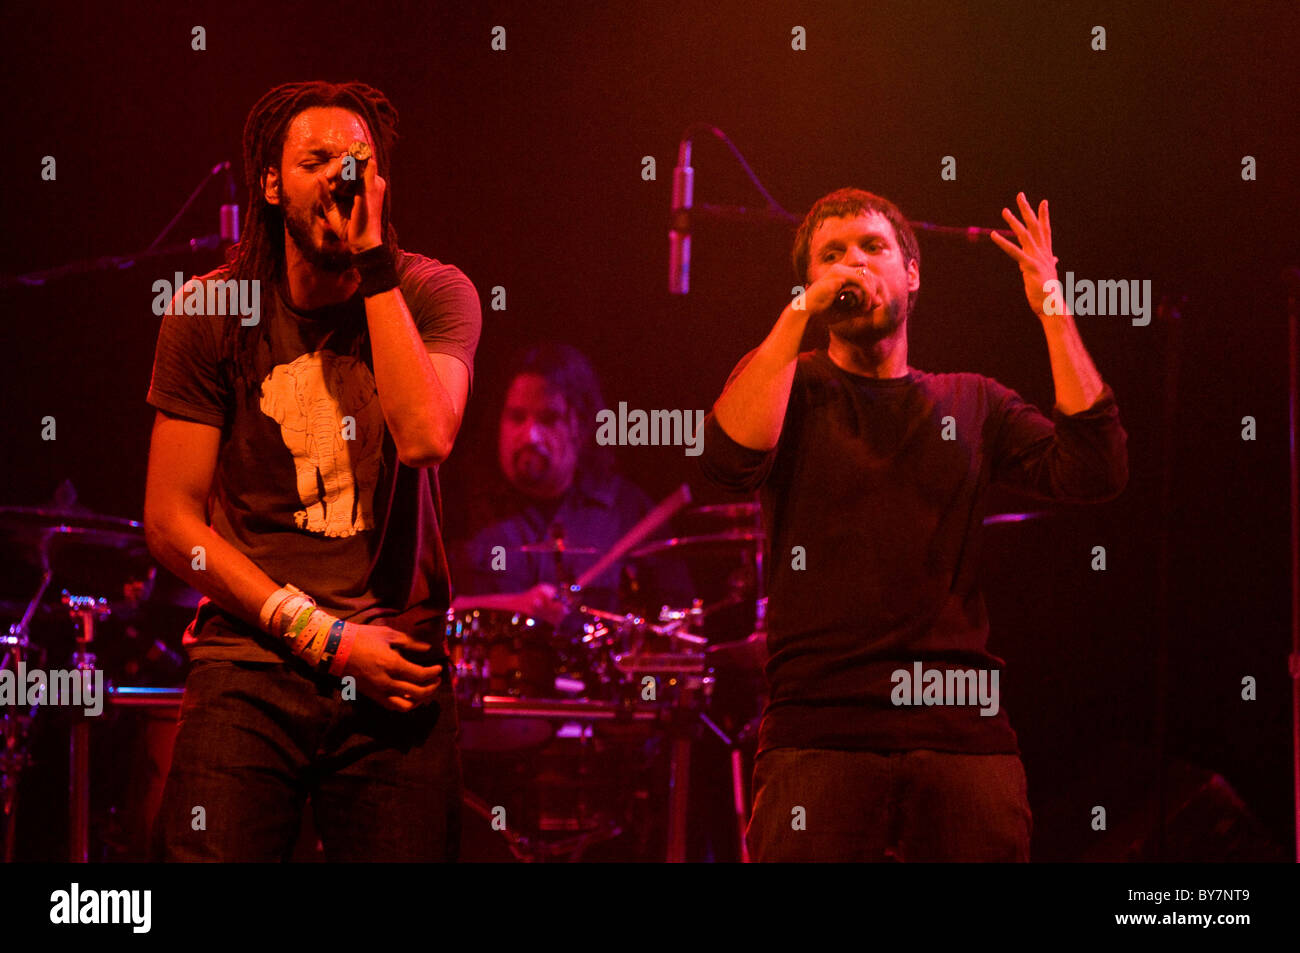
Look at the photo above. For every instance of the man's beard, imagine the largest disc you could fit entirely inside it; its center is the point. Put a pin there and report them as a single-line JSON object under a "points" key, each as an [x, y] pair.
{"points": [[298, 222], [866, 334]]}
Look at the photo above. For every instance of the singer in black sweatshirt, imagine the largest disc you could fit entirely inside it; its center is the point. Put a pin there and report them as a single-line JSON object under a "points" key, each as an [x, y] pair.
{"points": [[873, 477]]}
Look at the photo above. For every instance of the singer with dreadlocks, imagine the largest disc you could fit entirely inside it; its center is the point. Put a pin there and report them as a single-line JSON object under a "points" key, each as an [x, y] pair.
{"points": [[293, 481]]}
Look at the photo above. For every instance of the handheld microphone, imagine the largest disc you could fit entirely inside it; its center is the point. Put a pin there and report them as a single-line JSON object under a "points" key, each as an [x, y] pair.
{"points": [[849, 299], [348, 189]]}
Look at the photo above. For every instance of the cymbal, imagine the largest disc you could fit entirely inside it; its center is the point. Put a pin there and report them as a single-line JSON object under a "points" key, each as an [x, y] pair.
{"points": [[35, 525], [556, 546], [734, 538], [731, 511]]}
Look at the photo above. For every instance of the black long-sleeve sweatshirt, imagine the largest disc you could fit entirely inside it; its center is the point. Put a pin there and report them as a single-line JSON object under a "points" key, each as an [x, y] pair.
{"points": [[873, 502]]}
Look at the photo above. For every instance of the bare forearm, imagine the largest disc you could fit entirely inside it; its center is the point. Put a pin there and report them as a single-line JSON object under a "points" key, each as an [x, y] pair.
{"points": [[752, 409], [420, 413], [1078, 384], [228, 577]]}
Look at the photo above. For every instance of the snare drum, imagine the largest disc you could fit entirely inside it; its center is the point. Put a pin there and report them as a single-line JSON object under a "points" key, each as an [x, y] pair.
{"points": [[510, 654], [496, 652]]}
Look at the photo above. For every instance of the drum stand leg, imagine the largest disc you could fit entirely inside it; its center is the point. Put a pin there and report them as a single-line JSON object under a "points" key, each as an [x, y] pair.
{"points": [[679, 781], [736, 758], [84, 610], [738, 799], [79, 792]]}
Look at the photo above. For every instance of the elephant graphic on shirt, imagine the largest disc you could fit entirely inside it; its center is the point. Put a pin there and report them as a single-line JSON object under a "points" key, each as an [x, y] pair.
{"points": [[336, 476]]}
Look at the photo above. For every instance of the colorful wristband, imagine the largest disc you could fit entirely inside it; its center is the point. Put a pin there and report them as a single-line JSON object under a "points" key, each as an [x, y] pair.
{"points": [[311, 637], [340, 661], [331, 645]]}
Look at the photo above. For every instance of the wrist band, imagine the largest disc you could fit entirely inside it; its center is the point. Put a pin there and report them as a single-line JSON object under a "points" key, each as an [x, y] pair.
{"points": [[340, 660], [282, 608], [311, 637], [378, 270], [332, 642], [318, 638], [299, 613], [273, 603]]}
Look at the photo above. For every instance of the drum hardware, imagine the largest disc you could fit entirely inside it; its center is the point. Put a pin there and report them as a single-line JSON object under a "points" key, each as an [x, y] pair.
{"points": [[677, 716], [739, 513], [15, 730], [37, 527], [526, 849], [65, 539], [745, 539], [556, 547], [85, 612]]}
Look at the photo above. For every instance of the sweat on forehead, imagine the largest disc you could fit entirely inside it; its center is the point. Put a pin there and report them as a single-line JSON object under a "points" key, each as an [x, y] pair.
{"points": [[328, 126]]}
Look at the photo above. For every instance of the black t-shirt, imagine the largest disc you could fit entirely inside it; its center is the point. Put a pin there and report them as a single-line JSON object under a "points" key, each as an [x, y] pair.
{"points": [[308, 485], [889, 515], [594, 513]]}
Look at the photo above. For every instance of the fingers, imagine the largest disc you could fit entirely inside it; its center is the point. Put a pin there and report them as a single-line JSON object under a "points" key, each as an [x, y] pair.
{"points": [[1011, 248], [371, 172], [332, 213], [1017, 229], [414, 695], [859, 277], [404, 641], [410, 672], [1026, 210]]}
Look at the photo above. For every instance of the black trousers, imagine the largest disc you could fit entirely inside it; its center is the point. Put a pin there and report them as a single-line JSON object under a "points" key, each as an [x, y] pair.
{"points": [[813, 804], [257, 739]]}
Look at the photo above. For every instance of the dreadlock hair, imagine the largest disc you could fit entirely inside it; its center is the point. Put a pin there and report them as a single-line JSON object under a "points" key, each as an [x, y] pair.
{"points": [[260, 255]]}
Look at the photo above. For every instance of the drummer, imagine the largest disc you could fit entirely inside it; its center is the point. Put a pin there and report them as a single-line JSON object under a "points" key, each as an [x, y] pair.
{"points": [[557, 489]]}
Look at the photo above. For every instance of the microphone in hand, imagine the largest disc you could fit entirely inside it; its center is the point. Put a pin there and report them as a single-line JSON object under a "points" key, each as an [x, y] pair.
{"points": [[849, 299], [349, 188]]}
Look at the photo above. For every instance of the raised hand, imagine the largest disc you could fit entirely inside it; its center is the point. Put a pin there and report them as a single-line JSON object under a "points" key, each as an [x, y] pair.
{"points": [[1034, 254]]}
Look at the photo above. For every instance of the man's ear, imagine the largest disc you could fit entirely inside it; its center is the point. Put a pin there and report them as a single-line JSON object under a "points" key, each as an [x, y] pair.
{"points": [[271, 185], [913, 275]]}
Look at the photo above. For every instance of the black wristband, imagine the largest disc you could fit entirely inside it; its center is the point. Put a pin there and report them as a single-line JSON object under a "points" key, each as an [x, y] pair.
{"points": [[378, 270]]}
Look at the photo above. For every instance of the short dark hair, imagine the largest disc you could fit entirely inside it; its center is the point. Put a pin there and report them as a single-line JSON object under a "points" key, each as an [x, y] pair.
{"points": [[567, 371], [850, 203]]}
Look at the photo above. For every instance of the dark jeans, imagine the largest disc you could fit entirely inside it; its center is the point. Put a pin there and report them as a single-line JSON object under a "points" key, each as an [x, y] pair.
{"points": [[813, 804], [256, 739]]}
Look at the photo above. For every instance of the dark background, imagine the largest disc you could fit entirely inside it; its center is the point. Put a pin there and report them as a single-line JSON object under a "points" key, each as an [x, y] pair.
{"points": [[524, 168]]}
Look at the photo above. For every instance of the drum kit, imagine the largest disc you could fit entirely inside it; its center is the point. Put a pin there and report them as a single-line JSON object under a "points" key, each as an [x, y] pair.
{"points": [[108, 585], [600, 736], [579, 737]]}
